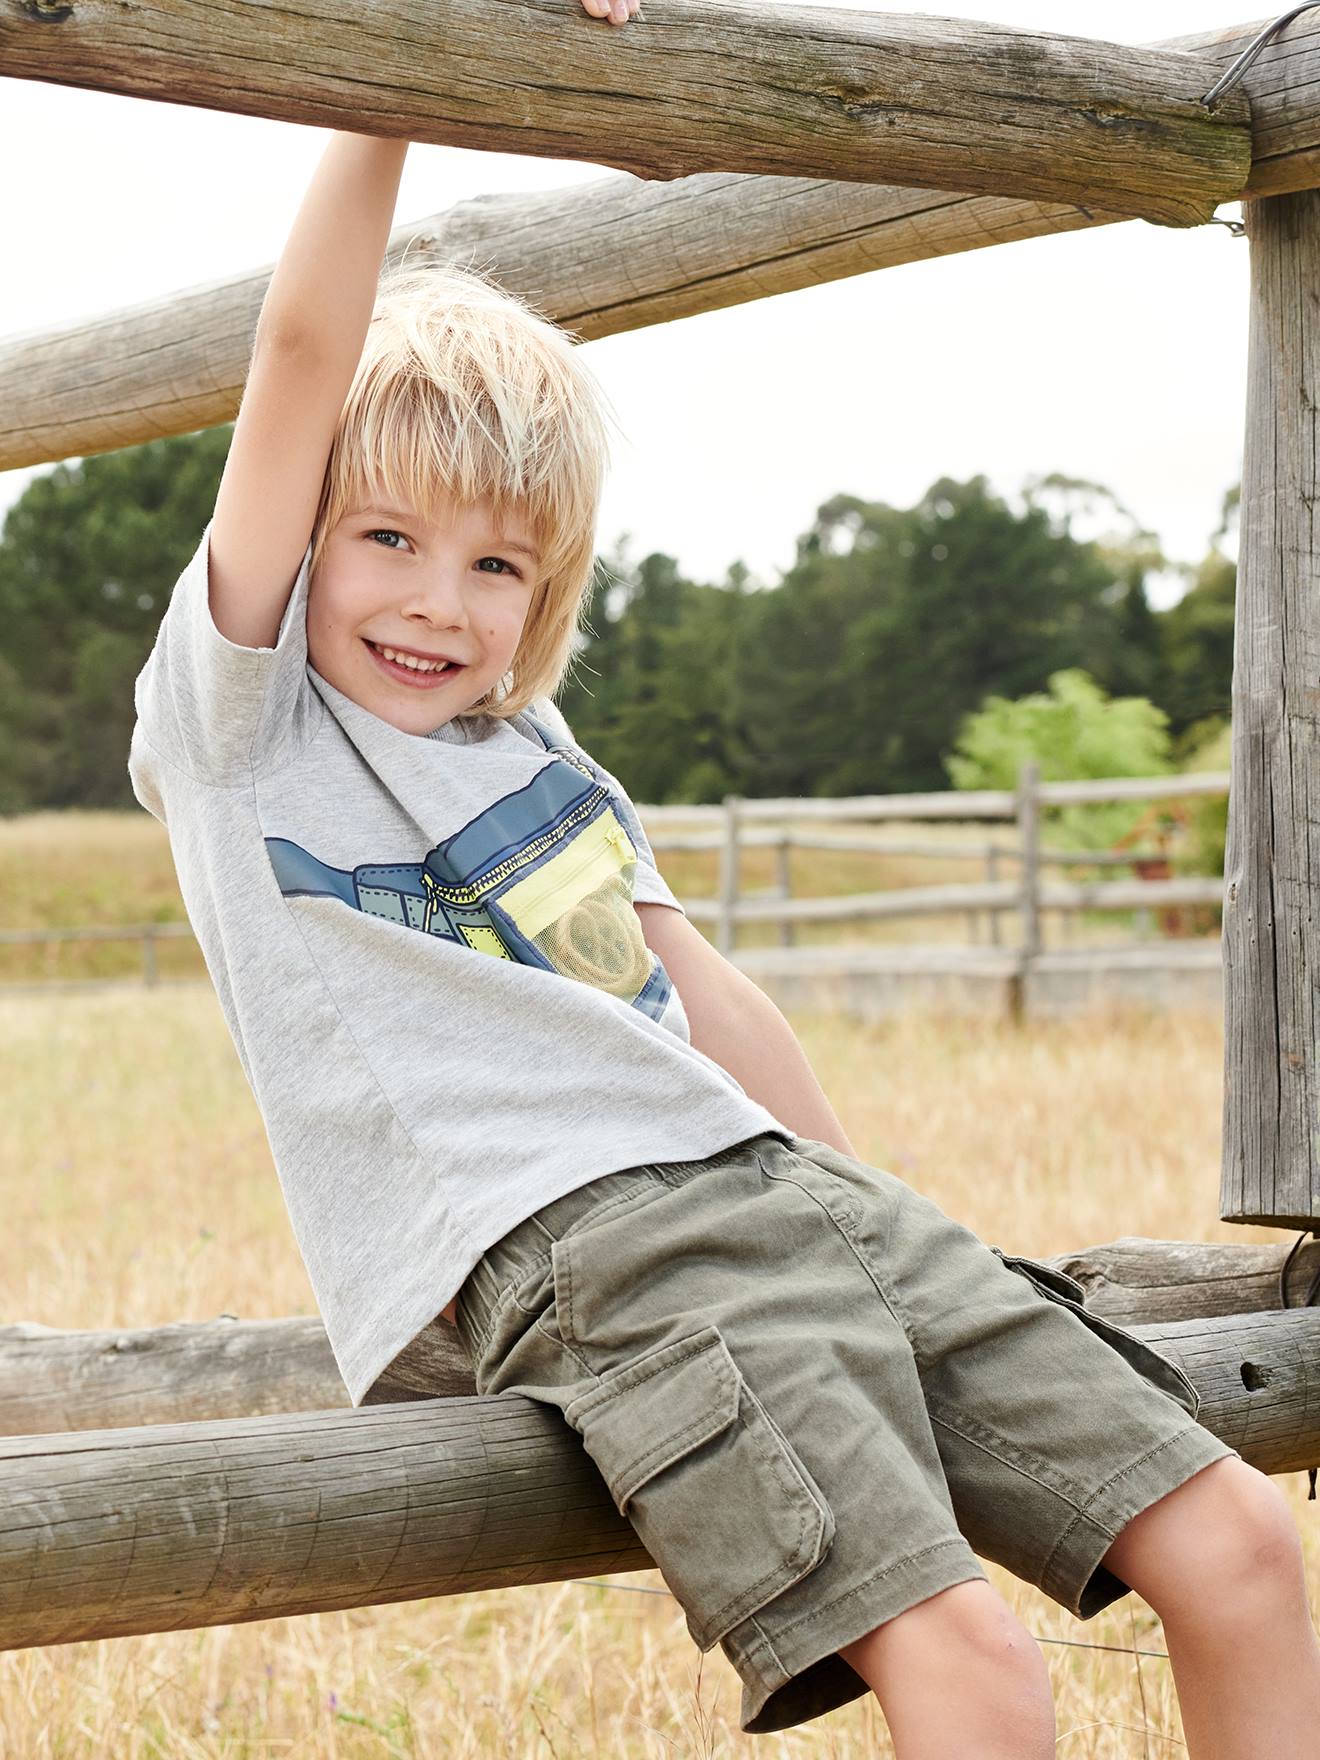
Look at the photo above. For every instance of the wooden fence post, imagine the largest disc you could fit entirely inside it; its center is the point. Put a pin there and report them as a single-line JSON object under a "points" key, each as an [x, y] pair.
{"points": [[1271, 1146], [726, 926], [1028, 822], [784, 877], [150, 970]]}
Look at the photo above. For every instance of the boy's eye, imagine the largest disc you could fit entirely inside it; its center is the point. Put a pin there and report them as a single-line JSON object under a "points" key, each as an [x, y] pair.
{"points": [[387, 533], [499, 563]]}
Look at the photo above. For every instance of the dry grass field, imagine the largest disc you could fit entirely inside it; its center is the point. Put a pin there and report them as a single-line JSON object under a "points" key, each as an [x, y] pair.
{"points": [[137, 1188]]}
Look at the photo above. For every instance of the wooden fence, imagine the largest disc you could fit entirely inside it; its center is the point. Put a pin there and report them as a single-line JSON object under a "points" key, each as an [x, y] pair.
{"points": [[206, 1474], [785, 825], [803, 824]]}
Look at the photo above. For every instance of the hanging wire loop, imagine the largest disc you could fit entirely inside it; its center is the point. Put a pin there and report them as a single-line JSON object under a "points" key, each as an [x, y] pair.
{"points": [[1249, 54]]}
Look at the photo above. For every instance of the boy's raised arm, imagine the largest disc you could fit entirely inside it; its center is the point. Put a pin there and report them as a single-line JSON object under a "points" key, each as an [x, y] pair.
{"points": [[309, 340]]}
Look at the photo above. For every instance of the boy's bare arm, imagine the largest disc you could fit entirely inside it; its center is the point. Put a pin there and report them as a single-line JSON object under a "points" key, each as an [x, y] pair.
{"points": [[309, 339], [308, 343], [736, 1025]]}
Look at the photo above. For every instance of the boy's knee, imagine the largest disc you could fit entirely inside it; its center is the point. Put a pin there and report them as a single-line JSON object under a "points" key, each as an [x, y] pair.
{"points": [[970, 1621], [1257, 1543], [1225, 1536]]}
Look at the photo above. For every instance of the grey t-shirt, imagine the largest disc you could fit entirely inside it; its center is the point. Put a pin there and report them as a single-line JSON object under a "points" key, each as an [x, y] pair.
{"points": [[426, 952]]}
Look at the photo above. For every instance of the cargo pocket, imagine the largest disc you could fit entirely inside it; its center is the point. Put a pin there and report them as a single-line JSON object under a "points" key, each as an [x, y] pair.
{"points": [[714, 1490], [1059, 1287]]}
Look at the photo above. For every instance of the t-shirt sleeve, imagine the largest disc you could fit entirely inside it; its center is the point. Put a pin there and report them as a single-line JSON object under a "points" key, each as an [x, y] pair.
{"points": [[221, 712], [649, 885]]}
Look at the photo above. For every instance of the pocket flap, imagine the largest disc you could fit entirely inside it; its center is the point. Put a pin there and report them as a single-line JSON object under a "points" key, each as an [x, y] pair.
{"points": [[1059, 1281], [1157, 1368], [693, 1396], [720, 1498]]}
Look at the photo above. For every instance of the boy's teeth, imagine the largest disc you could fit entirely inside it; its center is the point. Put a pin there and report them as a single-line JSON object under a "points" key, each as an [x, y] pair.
{"points": [[411, 660]]}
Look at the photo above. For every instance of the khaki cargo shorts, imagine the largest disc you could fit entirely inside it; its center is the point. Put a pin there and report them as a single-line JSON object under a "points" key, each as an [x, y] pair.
{"points": [[818, 1400]]}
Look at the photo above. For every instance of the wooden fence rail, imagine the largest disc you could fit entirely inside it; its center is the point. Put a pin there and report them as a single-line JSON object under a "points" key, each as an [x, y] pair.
{"points": [[52, 1379], [217, 1521], [863, 97], [598, 257], [742, 824]]}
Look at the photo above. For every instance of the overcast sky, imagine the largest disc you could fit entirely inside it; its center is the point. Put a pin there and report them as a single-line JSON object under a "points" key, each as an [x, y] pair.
{"points": [[1116, 354]]}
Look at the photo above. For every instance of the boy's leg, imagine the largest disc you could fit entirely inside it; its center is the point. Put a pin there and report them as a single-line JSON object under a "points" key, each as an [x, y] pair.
{"points": [[957, 1663], [1220, 1561]]}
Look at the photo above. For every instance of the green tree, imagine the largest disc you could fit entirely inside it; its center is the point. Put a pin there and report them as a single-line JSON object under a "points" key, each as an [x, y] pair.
{"points": [[1197, 637], [654, 693], [88, 556], [893, 624]]}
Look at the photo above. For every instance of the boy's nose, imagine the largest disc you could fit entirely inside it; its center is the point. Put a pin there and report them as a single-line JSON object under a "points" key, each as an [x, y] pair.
{"points": [[441, 600]]}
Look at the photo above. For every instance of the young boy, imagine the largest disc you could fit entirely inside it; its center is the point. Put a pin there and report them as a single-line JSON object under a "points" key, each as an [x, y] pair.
{"points": [[505, 1080]]}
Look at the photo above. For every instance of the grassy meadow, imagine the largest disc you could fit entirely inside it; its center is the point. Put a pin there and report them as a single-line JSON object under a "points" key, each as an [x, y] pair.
{"points": [[137, 1185]]}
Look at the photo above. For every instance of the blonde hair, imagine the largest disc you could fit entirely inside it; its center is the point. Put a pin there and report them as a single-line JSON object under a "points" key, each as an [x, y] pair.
{"points": [[465, 391]]}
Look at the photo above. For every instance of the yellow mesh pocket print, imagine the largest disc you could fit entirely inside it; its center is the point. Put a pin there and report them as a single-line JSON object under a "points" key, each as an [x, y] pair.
{"points": [[577, 908]]}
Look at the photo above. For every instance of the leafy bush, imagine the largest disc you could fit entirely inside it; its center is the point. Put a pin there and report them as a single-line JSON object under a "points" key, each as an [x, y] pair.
{"points": [[1072, 729]]}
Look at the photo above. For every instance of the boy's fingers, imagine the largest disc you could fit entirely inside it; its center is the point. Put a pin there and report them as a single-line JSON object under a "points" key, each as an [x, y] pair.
{"points": [[614, 11]]}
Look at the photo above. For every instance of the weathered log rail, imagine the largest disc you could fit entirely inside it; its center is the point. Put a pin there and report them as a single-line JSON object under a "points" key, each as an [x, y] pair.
{"points": [[610, 256], [943, 103], [112, 1532], [106, 1533], [53, 1379]]}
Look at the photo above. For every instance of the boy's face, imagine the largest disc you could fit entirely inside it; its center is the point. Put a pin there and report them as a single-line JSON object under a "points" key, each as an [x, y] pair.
{"points": [[456, 592]]}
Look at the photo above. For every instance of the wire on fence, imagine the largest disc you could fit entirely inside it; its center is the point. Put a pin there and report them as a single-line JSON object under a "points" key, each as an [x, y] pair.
{"points": [[1074, 1643]]}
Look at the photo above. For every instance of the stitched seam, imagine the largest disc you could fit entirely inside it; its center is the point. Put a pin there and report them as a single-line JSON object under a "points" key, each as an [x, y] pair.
{"points": [[990, 1442], [606, 1205], [791, 1561], [899, 1315], [767, 1644], [675, 1440], [775, 1455], [505, 1300], [556, 1337], [1083, 1512], [641, 1380], [910, 1558], [606, 1390], [601, 1209]]}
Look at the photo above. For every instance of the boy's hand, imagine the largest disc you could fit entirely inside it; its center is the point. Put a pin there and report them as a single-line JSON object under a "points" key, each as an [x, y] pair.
{"points": [[613, 11]]}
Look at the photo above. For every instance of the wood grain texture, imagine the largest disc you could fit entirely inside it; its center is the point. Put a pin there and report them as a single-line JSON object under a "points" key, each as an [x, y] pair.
{"points": [[1271, 1160], [1280, 84], [110, 1532], [54, 1380], [613, 255], [1136, 1281], [179, 1525], [696, 85]]}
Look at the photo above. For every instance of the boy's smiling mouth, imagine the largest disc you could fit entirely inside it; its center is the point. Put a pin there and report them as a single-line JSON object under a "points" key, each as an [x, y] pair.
{"points": [[421, 674]]}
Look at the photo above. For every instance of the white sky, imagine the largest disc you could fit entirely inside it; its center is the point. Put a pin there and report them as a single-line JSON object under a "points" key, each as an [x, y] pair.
{"points": [[1117, 354]]}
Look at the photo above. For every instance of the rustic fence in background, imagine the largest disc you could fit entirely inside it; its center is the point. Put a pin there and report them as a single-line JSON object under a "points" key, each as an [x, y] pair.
{"points": [[785, 825], [740, 824]]}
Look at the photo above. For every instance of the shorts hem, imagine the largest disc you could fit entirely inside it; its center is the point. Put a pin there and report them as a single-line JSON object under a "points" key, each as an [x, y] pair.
{"points": [[793, 1674], [1074, 1575]]}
